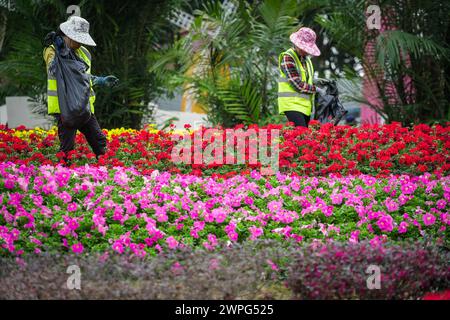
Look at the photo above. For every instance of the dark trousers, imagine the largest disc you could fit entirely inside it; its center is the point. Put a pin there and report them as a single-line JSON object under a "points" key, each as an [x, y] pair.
{"points": [[299, 119], [91, 130]]}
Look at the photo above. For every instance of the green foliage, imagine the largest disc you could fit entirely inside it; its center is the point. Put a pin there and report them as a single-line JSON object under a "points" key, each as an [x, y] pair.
{"points": [[126, 32], [234, 57], [413, 48]]}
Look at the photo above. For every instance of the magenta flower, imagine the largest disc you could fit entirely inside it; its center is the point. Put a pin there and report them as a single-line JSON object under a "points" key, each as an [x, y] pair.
{"points": [[77, 248], [275, 206], [385, 223], [72, 207], [219, 215], [272, 265], [441, 204], [429, 219], [255, 232], [233, 236], [403, 227], [118, 246], [172, 242], [391, 205], [408, 188], [65, 197]]}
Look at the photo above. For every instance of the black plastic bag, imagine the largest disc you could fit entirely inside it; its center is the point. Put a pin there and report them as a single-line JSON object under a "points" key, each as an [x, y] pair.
{"points": [[74, 88], [328, 108]]}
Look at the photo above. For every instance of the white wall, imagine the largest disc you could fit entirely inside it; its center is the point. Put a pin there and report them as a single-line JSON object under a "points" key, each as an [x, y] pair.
{"points": [[19, 112]]}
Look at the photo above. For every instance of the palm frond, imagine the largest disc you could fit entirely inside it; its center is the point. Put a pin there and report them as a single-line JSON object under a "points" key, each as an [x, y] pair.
{"points": [[394, 46], [241, 101]]}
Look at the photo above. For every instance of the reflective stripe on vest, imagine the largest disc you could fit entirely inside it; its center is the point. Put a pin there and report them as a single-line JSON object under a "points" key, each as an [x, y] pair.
{"points": [[52, 85], [288, 98]]}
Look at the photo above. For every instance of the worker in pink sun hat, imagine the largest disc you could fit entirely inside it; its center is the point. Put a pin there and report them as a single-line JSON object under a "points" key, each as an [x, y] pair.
{"points": [[296, 89]]}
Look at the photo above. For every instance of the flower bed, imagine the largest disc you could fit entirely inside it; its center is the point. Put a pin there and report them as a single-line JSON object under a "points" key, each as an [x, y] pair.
{"points": [[321, 150], [262, 269], [95, 209]]}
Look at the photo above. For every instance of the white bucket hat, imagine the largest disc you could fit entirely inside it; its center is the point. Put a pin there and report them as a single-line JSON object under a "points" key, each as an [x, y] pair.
{"points": [[77, 29]]}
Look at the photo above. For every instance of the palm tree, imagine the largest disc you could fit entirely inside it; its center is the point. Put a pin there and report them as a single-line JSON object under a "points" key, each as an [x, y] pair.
{"points": [[238, 60], [410, 59]]}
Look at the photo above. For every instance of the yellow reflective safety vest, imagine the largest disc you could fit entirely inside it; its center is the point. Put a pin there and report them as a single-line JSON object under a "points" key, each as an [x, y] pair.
{"points": [[288, 98], [52, 85]]}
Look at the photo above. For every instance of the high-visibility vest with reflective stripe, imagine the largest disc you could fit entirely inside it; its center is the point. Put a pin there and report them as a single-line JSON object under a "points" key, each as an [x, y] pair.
{"points": [[288, 98], [52, 85]]}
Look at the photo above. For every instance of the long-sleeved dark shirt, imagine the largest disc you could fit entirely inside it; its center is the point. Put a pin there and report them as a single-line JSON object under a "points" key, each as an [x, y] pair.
{"points": [[293, 75]]}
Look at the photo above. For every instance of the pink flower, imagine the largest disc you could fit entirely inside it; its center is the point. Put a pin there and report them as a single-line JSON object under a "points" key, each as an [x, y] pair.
{"points": [[248, 201], [391, 205], [172, 242], [65, 197], [275, 206], [255, 232], [375, 242], [440, 204], [327, 211], [408, 188], [65, 231], [429, 219], [219, 215], [272, 265], [72, 207], [118, 246], [403, 227], [233, 236], [77, 248], [385, 223], [212, 240]]}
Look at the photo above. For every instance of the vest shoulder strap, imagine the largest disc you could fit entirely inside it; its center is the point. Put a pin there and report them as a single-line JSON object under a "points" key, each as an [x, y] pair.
{"points": [[86, 53]]}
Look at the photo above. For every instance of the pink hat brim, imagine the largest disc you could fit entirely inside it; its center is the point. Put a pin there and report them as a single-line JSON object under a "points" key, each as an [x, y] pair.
{"points": [[312, 50]]}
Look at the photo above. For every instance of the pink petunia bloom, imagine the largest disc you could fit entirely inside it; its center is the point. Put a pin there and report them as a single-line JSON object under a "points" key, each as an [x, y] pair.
{"points": [[77, 248], [403, 227], [408, 188], [72, 207], [233, 236], [275, 206], [219, 215], [429, 219], [272, 265], [255, 232], [65, 197], [118, 246], [375, 242], [441, 204], [172, 242], [391, 205], [385, 223]]}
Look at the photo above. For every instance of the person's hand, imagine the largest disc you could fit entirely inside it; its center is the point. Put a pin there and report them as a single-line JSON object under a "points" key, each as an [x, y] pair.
{"points": [[321, 91], [111, 81]]}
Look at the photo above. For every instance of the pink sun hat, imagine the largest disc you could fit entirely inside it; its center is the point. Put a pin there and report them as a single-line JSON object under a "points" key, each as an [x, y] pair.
{"points": [[305, 39]]}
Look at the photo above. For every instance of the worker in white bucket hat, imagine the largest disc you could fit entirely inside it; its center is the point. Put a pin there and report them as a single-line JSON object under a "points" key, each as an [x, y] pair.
{"points": [[74, 35]]}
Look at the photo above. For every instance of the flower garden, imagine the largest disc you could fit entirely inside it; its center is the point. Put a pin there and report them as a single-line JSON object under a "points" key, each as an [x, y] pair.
{"points": [[345, 198]]}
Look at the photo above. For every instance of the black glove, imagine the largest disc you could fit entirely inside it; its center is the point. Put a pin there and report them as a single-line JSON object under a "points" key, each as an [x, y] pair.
{"points": [[59, 43], [49, 39]]}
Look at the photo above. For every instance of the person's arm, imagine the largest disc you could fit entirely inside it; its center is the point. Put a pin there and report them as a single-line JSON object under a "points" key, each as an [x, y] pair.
{"points": [[109, 81], [290, 70], [49, 58]]}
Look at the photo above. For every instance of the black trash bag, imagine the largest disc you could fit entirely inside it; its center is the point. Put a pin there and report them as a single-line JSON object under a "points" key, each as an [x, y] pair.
{"points": [[328, 108], [74, 88]]}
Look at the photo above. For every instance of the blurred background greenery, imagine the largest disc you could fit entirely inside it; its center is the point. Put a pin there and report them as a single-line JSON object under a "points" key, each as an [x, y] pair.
{"points": [[228, 59]]}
